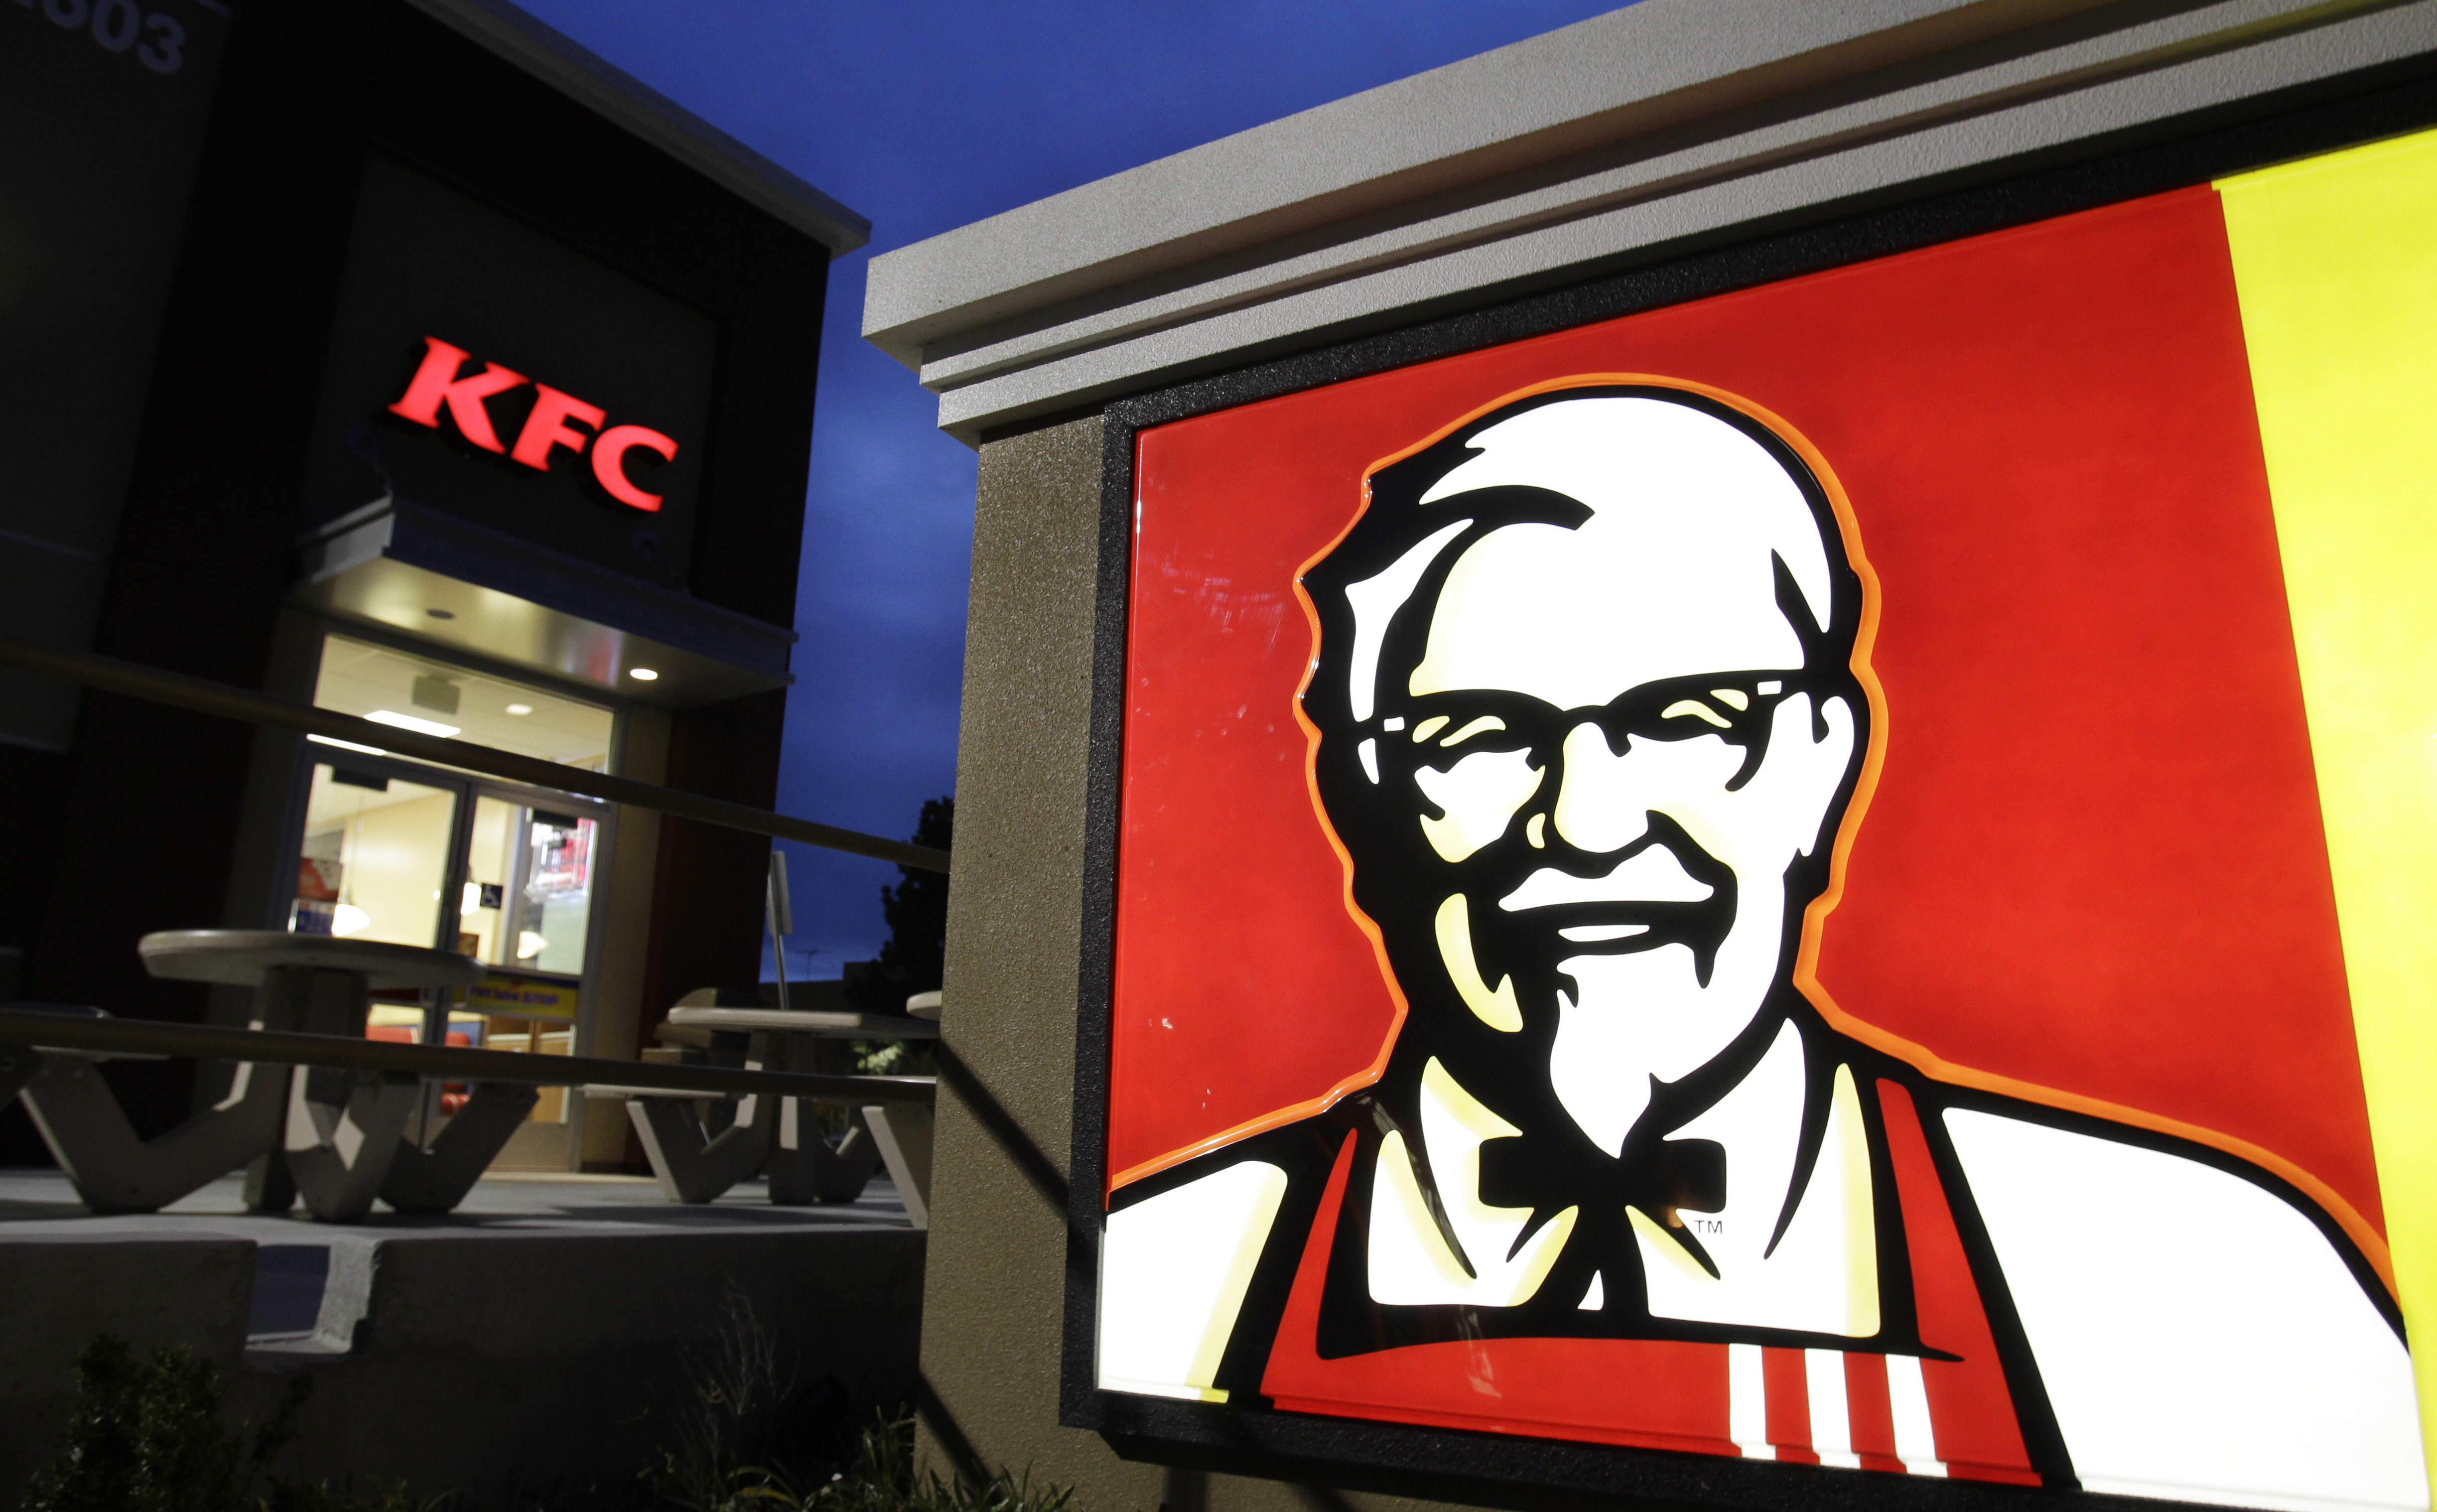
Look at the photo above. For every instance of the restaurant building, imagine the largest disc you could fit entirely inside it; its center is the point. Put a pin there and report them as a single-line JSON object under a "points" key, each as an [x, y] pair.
{"points": [[404, 359]]}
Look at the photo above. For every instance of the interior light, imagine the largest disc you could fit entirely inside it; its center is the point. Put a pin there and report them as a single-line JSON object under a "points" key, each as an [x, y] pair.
{"points": [[347, 745], [529, 945], [346, 919], [521, 710], [643, 674], [470, 901], [421, 727]]}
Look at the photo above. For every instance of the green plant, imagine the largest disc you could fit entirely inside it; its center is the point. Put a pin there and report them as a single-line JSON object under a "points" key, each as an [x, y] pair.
{"points": [[737, 1443], [893, 1058], [288, 1496], [728, 1412], [146, 1436], [879, 1475]]}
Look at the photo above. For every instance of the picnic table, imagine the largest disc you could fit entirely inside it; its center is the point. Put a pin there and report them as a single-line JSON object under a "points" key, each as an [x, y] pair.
{"points": [[313, 1100], [342, 1136], [696, 1163]]}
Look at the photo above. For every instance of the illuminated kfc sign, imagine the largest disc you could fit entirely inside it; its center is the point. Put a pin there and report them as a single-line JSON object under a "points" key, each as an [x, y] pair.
{"points": [[557, 420], [1802, 877]]}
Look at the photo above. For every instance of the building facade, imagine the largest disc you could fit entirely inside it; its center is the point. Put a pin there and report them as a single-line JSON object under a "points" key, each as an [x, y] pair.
{"points": [[405, 359]]}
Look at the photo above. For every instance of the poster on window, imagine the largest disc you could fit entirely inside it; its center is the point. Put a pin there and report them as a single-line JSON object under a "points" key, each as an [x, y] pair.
{"points": [[1836, 874], [562, 857]]}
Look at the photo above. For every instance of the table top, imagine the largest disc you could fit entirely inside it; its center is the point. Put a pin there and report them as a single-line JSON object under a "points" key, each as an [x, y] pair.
{"points": [[240, 958], [807, 1021]]}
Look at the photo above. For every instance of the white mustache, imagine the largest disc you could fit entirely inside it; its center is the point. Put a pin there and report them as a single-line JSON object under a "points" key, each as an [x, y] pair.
{"points": [[1654, 875]]}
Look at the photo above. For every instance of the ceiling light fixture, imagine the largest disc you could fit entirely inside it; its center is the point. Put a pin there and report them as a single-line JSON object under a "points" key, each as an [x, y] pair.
{"points": [[435, 691], [521, 710], [421, 727], [643, 674]]}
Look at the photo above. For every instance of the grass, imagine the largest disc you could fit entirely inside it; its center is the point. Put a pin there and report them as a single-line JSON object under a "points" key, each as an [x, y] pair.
{"points": [[879, 1475], [737, 1445]]}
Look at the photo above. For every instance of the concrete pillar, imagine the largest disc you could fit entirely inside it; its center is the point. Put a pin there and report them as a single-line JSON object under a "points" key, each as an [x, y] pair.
{"points": [[994, 1297]]}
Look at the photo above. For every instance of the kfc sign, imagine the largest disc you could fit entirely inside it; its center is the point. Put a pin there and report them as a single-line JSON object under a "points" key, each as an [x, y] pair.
{"points": [[442, 382], [1805, 876]]}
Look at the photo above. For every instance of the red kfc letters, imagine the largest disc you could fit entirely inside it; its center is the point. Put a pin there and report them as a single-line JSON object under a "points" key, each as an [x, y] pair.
{"points": [[439, 383]]}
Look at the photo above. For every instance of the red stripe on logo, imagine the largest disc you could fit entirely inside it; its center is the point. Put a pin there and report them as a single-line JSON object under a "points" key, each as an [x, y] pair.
{"points": [[1868, 1413], [1789, 1405], [1970, 1410]]}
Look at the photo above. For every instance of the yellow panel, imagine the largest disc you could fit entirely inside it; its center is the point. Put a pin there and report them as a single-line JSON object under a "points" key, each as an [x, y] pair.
{"points": [[2336, 259]]}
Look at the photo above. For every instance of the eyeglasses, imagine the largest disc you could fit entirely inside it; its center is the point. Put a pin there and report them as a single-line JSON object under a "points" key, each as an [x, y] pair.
{"points": [[1442, 729]]}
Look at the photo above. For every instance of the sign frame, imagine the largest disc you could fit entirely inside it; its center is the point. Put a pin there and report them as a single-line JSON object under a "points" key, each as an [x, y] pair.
{"points": [[1447, 1465]]}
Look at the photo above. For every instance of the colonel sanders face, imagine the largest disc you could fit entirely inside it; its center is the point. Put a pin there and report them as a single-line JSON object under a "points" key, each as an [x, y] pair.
{"points": [[1602, 727]]}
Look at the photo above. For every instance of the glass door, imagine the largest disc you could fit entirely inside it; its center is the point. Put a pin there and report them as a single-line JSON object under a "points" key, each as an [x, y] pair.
{"points": [[525, 910], [427, 856], [526, 904], [376, 854]]}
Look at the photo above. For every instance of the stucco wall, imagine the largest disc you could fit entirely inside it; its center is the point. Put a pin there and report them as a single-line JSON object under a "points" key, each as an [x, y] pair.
{"points": [[994, 1296]]}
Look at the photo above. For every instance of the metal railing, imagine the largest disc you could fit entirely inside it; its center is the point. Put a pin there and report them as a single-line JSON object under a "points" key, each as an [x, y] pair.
{"points": [[443, 1062], [203, 696]]}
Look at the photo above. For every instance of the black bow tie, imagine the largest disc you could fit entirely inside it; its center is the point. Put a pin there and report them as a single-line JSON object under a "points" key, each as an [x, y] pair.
{"points": [[1549, 1175]]}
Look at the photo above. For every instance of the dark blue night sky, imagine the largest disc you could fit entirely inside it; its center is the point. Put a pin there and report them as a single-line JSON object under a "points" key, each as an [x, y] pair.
{"points": [[924, 115]]}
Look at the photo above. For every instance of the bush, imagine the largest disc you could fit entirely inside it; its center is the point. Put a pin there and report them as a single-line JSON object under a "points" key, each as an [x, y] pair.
{"points": [[143, 1437], [146, 1436]]}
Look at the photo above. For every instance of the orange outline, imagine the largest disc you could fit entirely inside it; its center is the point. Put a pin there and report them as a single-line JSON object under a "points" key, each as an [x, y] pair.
{"points": [[2373, 1245]]}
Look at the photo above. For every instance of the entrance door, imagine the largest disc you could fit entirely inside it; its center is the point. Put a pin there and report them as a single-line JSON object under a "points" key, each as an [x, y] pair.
{"points": [[527, 899], [429, 856], [376, 856]]}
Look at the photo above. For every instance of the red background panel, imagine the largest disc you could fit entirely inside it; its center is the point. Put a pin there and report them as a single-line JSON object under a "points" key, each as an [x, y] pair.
{"points": [[2094, 861]]}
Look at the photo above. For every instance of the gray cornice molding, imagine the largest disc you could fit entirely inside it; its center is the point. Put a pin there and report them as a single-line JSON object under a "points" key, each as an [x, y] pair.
{"points": [[1630, 139], [619, 97]]}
